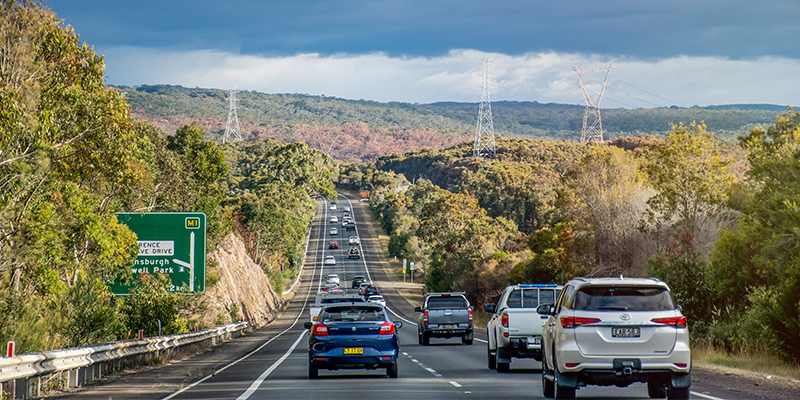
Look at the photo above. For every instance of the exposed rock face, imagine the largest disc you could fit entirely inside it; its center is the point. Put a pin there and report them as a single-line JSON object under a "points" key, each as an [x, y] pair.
{"points": [[242, 282]]}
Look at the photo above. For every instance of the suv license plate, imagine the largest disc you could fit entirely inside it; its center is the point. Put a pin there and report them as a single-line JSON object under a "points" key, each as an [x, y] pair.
{"points": [[449, 326], [534, 340], [625, 332], [353, 350]]}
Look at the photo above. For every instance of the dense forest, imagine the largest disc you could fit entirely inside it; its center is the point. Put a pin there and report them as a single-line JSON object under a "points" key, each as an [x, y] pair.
{"points": [[360, 130], [717, 221], [72, 156]]}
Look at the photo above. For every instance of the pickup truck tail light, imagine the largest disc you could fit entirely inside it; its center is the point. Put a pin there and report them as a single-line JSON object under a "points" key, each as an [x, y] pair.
{"points": [[387, 329], [320, 330], [678, 322], [504, 320], [470, 315], [425, 317], [574, 322]]}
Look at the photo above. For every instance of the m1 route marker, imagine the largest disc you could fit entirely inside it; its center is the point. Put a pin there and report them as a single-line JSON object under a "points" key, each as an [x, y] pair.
{"points": [[171, 243]]}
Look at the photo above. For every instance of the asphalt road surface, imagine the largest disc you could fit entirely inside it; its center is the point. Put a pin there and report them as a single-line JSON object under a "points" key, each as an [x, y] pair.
{"points": [[272, 363]]}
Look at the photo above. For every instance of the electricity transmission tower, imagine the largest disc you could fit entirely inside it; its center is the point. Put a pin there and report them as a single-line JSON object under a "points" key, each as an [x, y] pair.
{"points": [[592, 124], [484, 132], [232, 131]]}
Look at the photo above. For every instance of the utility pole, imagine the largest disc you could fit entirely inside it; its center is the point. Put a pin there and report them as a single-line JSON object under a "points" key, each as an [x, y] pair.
{"points": [[592, 124], [232, 131], [484, 132]]}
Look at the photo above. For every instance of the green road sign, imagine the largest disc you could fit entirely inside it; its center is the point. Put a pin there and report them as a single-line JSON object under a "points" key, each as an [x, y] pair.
{"points": [[172, 243]]}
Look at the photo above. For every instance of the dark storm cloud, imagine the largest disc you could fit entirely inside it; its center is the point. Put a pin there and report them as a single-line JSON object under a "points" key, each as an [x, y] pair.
{"points": [[638, 29]]}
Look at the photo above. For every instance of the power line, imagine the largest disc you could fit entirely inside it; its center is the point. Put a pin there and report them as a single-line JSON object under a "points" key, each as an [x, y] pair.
{"points": [[467, 75], [652, 94]]}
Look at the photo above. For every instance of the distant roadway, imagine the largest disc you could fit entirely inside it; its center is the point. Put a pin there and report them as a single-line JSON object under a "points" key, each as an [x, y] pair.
{"points": [[272, 363]]}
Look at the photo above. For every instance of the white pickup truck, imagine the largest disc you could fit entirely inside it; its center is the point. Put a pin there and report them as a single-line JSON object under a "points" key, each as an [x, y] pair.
{"points": [[515, 329]]}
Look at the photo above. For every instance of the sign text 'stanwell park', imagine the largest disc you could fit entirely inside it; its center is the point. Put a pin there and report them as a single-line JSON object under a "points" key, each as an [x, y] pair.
{"points": [[169, 243]]}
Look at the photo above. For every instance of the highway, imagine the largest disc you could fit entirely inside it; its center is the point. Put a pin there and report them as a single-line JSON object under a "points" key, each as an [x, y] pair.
{"points": [[275, 362]]}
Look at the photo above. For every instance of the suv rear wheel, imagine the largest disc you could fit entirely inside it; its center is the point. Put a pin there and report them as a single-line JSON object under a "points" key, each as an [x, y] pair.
{"points": [[548, 388], [561, 392], [656, 390], [492, 358], [678, 393]]}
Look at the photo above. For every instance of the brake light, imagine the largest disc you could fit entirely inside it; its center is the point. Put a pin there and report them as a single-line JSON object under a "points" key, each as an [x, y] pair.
{"points": [[678, 322], [470, 315], [425, 317], [574, 322], [387, 329], [504, 320], [320, 330]]}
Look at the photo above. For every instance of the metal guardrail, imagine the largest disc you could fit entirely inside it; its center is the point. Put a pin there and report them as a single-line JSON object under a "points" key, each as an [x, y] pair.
{"points": [[23, 374]]}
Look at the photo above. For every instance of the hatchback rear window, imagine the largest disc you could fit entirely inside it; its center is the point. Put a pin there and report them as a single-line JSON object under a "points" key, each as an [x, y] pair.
{"points": [[599, 298], [351, 313], [447, 302]]}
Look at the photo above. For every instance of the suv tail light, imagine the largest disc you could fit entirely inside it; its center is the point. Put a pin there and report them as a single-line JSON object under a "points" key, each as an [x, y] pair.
{"points": [[469, 312], [387, 329], [678, 322], [574, 322], [504, 320], [425, 317], [320, 330]]}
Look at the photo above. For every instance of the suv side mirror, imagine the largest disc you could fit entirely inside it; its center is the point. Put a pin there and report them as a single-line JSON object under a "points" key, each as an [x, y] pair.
{"points": [[398, 324], [308, 325], [545, 309], [417, 309], [489, 307]]}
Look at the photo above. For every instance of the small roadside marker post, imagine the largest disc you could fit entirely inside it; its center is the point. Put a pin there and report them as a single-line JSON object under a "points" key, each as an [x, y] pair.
{"points": [[412, 272], [11, 351], [404, 270], [141, 334]]}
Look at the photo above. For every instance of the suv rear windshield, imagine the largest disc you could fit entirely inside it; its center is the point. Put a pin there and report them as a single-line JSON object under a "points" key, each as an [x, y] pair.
{"points": [[447, 302], [531, 297], [352, 313], [625, 298]]}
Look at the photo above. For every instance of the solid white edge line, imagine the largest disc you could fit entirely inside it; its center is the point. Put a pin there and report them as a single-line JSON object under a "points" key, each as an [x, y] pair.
{"points": [[705, 396], [253, 387]]}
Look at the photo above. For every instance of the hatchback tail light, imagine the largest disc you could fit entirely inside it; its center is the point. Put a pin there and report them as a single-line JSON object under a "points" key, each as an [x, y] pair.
{"points": [[425, 317], [469, 312], [678, 322], [504, 320], [387, 329], [320, 330], [574, 322]]}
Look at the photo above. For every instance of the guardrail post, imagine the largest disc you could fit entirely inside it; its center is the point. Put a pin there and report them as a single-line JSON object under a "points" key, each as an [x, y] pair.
{"points": [[72, 378]]}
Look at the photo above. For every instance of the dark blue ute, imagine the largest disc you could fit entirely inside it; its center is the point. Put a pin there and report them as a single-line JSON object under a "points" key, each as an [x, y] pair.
{"points": [[353, 335]]}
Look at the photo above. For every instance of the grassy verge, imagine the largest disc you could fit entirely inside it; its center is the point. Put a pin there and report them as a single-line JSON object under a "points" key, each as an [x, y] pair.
{"points": [[761, 364]]}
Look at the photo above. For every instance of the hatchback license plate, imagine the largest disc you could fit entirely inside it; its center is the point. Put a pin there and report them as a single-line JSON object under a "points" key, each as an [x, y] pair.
{"points": [[625, 332], [353, 350]]}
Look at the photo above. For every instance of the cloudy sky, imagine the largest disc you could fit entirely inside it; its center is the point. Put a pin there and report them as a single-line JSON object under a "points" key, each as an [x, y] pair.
{"points": [[677, 52]]}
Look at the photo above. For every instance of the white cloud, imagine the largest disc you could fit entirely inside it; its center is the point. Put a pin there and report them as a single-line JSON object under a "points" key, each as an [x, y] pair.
{"points": [[682, 81]]}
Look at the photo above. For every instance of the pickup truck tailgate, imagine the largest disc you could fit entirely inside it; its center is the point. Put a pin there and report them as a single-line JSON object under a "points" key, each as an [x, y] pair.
{"points": [[524, 322], [448, 316]]}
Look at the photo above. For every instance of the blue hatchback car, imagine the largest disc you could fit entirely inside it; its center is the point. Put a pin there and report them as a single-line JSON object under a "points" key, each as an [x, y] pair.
{"points": [[353, 335]]}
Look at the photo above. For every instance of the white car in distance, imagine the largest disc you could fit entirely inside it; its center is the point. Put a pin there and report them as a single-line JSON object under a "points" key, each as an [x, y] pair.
{"points": [[376, 298], [330, 260], [332, 278], [355, 240], [334, 219], [333, 207]]}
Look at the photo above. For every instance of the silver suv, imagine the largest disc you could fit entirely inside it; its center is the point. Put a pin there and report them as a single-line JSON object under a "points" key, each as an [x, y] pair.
{"points": [[615, 331]]}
